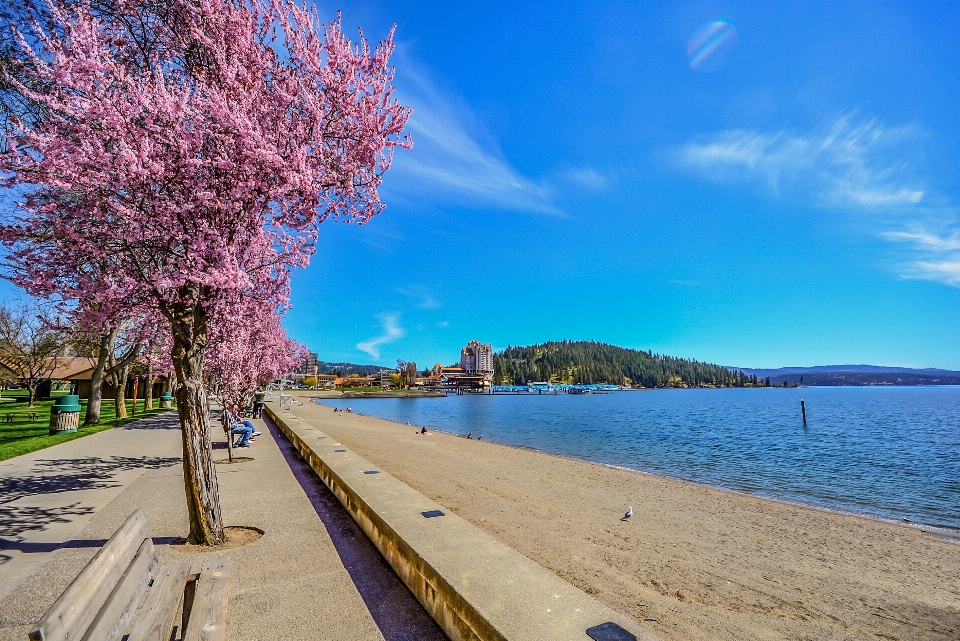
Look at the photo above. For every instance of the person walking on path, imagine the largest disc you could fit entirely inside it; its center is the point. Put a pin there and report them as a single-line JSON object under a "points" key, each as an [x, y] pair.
{"points": [[258, 402]]}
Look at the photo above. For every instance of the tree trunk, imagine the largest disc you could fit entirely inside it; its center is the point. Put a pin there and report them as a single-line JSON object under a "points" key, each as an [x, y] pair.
{"points": [[136, 388], [31, 392], [96, 379], [148, 391], [189, 321], [120, 392]]}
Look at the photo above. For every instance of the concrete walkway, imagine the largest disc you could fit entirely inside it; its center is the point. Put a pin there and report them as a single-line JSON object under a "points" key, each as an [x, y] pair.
{"points": [[48, 496], [313, 575]]}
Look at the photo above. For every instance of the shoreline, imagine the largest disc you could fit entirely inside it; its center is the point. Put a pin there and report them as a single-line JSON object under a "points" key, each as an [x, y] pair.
{"points": [[946, 530], [695, 562]]}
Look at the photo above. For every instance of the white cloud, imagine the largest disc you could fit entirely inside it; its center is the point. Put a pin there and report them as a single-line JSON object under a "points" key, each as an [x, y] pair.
{"points": [[391, 332], [945, 271], [449, 163], [586, 178], [934, 256], [422, 295], [927, 240], [849, 163]]}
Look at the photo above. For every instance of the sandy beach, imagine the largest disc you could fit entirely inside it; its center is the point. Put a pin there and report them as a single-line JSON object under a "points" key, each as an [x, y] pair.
{"points": [[694, 562]]}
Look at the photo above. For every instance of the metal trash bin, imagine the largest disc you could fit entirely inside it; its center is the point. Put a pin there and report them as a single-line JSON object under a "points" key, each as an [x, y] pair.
{"points": [[65, 415], [166, 399]]}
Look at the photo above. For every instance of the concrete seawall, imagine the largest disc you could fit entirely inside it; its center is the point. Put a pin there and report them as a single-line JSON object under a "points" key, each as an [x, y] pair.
{"points": [[474, 587]]}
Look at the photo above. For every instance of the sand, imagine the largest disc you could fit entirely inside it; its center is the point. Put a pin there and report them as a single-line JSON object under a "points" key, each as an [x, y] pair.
{"points": [[694, 562]]}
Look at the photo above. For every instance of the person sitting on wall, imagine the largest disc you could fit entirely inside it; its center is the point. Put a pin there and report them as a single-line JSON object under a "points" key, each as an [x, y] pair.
{"points": [[244, 429]]}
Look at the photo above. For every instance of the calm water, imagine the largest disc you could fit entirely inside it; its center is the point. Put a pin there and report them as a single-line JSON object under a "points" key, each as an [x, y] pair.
{"points": [[883, 451]]}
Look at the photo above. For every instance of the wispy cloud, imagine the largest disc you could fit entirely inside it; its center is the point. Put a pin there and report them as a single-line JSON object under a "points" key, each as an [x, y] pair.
{"points": [[934, 256], [586, 178], [391, 332], [450, 160], [423, 296], [849, 163]]}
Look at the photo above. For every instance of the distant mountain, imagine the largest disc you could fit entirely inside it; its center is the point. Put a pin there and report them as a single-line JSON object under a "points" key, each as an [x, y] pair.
{"points": [[857, 375], [346, 368]]}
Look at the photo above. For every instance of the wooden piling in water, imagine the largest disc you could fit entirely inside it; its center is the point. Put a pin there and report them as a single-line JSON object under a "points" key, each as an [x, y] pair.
{"points": [[803, 409]]}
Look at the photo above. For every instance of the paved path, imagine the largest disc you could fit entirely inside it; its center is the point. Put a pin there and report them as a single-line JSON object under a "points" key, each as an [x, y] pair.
{"points": [[48, 496], [312, 576]]}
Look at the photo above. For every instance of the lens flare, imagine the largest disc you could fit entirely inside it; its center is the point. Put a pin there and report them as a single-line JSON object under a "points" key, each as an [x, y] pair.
{"points": [[709, 46]]}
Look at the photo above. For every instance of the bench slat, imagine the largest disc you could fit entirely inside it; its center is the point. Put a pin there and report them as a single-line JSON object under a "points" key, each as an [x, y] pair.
{"points": [[208, 617], [71, 614], [159, 612], [111, 622]]}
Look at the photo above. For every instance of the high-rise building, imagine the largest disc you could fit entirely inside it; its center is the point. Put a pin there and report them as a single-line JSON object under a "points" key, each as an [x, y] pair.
{"points": [[477, 359], [309, 365]]}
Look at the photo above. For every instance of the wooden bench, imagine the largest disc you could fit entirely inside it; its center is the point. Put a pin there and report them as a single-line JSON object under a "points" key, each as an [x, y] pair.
{"points": [[9, 417], [101, 601]]}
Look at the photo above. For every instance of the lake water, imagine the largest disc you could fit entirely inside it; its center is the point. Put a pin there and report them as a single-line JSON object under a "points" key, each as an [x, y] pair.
{"points": [[889, 452]]}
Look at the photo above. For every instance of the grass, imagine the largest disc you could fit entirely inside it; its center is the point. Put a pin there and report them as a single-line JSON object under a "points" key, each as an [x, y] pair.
{"points": [[23, 436], [22, 394]]}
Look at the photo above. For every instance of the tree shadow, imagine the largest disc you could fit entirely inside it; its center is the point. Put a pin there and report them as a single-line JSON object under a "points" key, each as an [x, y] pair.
{"points": [[54, 476], [33, 547], [15, 520], [166, 421]]}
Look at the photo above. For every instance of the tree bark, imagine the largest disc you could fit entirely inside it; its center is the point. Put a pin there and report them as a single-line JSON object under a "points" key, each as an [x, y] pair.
{"points": [[189, 320], [148, 391], [96, 379], [120, 391], [118, 371]]}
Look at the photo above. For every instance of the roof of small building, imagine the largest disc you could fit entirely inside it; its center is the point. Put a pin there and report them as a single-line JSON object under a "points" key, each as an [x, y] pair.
{"points": [[68, 368]]}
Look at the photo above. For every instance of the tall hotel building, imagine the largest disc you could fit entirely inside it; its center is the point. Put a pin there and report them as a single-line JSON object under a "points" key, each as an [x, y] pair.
{"points": [[477, 359]]}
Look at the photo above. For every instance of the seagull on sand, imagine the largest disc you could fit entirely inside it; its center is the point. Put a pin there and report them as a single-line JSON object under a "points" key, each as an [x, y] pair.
{"points": [[628, 514]]}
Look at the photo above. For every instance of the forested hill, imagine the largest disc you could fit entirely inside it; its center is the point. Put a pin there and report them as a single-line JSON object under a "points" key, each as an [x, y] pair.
{"points": [[591, 362], [345, 369]]}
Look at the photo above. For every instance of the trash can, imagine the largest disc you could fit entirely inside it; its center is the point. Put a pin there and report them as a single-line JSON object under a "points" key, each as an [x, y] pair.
{"points": [[166, 399], [65, 415]]}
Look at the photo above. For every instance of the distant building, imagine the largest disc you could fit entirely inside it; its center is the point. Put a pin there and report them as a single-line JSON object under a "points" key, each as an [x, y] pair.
{"points": [[476, 359], [356, 381], [474, 373], [310, 365]]}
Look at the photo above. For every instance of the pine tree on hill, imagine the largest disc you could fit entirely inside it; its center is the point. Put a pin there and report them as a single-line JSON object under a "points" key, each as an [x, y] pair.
{"points": [[590, 362]]}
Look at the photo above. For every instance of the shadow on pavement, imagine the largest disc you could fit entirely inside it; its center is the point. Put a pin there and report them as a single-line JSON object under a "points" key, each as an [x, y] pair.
{"points": [[166, 421], [393, 607], [28, 547], [53, 476], [14, 521]]}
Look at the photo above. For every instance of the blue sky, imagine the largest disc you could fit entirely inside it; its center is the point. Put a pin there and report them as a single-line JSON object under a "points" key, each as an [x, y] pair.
{"points": [[779, 192], [755, 184]]}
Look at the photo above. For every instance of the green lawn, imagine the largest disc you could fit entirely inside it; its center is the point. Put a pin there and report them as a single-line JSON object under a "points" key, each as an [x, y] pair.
{"points": [[22, 394], [23, 436]]}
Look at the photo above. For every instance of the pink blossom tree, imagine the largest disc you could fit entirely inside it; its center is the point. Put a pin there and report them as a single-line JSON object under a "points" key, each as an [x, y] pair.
{"points": [[193, 173], [249, 348]]}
